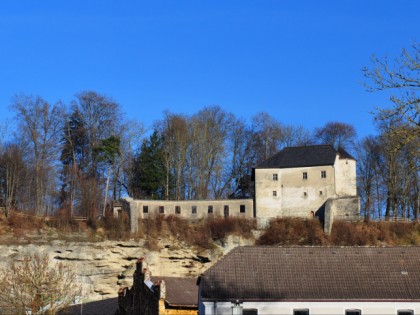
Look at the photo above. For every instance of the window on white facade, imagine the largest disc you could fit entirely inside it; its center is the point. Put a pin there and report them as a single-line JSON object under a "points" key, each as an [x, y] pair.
{"points": [[242, 208], [161, 209], [301, 312], [249, 311], [305, 194], [194, 209], [353, 312], [320, 193], [210, 209], [405, 312], [275, 177], [305, 175], [274, 193], [178, 209], [323, 174], [145, 209]]}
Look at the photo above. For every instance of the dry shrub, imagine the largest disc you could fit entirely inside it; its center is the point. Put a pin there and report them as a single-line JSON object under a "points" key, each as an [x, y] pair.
{"points": [[22, 224], [63, 222], [375, 233], [116, 228], [200, 233], [221, 227], [355, 234], [293, 231]]}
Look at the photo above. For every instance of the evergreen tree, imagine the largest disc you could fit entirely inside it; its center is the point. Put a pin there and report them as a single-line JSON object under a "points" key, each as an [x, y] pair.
{"points": [[149, 171]]}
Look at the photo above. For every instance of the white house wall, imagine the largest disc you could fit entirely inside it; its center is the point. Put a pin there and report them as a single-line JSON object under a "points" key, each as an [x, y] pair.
{"points": [[295, 196], [345, 177], [315, 308]]}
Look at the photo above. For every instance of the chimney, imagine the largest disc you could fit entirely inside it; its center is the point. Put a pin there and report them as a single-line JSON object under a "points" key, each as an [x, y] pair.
{"points": [[139, 264]]}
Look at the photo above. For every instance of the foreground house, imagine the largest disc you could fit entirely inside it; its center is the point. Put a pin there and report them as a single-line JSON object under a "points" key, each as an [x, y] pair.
{"points": [[158, 295], [313, 281]]}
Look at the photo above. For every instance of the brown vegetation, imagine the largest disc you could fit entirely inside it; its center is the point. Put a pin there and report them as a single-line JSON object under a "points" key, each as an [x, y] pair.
{"points": [[289, 231], [200, 233]]}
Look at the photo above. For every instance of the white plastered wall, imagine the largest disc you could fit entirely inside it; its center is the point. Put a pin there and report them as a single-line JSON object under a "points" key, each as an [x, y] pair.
{"points": [[315, 308]]}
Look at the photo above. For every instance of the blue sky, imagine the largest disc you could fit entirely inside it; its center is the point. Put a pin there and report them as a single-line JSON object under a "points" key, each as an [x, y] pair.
{"points": [[300, 61]]}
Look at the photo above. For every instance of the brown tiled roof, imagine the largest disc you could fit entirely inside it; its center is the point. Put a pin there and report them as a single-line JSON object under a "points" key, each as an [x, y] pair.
{"points": [[315, 274], [180, 291], [313, 155]]}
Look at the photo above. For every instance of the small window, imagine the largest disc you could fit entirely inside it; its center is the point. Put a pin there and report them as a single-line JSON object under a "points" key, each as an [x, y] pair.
{"points": [[320, 193], [161, 209], [242, 208], [353, 312], [178, 209], [274, 193], [194, 209], [210, 209], [301, 312], [405, 312], [226, 211], [249, 311], [323, 174], [145, 209], [275, 177], [305, 175], [305, 194]]}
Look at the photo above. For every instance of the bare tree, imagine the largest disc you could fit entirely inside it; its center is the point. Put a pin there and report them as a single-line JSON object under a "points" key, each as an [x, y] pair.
{"points": [[37, 285], [267, 135], [39, 126], [401, 77], [12, 175], [338, 134]]}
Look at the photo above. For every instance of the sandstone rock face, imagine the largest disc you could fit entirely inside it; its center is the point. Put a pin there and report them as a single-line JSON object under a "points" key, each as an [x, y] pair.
{"points": [[104, 267]]}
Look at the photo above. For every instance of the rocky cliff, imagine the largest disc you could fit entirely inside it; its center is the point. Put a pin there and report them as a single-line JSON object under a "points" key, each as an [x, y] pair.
{"points": [[104, 267]]}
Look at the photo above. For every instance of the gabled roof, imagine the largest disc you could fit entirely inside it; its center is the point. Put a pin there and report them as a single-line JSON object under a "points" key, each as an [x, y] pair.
{"points": [[180, 292], [314, 155], [263, 273]]}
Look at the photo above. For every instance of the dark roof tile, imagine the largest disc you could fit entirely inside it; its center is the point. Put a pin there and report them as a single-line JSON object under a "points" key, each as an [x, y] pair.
{"points": [[315, 273], [314, 155], [180, 291]]}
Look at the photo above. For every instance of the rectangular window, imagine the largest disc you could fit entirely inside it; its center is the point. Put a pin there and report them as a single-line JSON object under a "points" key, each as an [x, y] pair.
{"points": [[194, 209], [210, 209], [242, 208], [161, 209], [305, 175], [178, 209], [353, 312], [274, 193], [301, 312], [320, 193], [226, 211], [305, 194], [323, 174], [249, 311], [145, 209], [405, 312], [275, 177]]}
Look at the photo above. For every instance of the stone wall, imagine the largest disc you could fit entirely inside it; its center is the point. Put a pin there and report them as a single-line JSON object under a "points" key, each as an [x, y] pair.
{"points": [[344, 208], [188, 209]]}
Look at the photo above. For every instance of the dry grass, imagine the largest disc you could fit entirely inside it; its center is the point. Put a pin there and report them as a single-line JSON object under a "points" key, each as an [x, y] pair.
{"points": [[199, 233], [288, 231], [291, 231]]}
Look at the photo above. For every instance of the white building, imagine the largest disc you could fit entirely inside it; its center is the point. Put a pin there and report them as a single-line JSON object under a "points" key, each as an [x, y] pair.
{"points": [[264, 280], [299, 181]]}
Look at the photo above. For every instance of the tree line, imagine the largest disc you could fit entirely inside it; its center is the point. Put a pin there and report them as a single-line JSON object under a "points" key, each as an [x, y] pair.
{"points": [[75, 158]]}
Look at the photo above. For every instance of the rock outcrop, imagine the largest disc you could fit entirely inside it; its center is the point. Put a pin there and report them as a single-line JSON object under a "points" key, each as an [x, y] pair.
{"points": [[104, 267]]}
